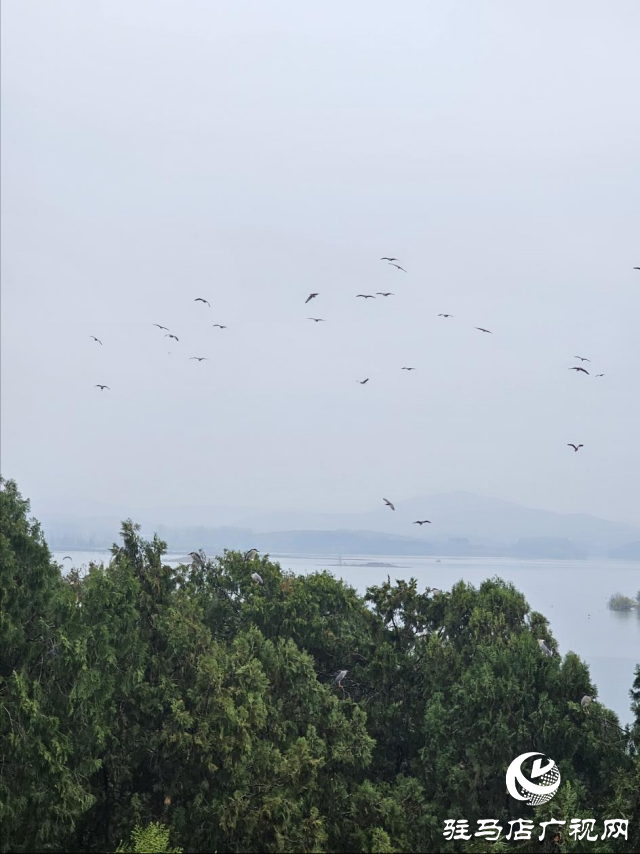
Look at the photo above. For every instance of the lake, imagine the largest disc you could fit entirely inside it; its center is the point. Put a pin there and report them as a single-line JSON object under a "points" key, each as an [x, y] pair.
{"points": [[573, 595]]}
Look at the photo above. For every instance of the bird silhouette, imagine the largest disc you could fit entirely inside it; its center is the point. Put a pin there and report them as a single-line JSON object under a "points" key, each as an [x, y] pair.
{"points": [[175, 337], [67, 557], [219, 325], [383, 294], [424, 522], [365, 296], [408, 369], [317, 319], [95, 339], [582, 358], [599, 375], [481, 329], [310, 297], [166, 328], [582, 370], [386, 258], [198, 358], [388, 503], [201, 299], [362, 382], [446, 315], [636, 268], [575, 447], [398, 267], [102, 387]]}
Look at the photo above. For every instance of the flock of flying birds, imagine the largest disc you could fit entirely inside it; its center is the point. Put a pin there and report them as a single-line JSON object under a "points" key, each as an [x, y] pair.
{"points": [[392, 262]]}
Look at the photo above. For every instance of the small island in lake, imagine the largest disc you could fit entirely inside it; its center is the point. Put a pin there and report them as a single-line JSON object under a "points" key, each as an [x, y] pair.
{"points": [[620, 602]]}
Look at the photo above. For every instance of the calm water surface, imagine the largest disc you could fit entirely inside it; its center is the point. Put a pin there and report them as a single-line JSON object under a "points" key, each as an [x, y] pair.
{"points": [[572, 595]]}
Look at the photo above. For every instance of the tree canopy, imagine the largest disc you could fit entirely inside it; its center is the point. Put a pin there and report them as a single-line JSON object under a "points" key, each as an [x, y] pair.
{"points": [[147, 707]]}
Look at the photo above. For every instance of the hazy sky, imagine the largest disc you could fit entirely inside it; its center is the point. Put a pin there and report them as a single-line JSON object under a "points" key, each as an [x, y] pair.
{"points": [[252, 152]]}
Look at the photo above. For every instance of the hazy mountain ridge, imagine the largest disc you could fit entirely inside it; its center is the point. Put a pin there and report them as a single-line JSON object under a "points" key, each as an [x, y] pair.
{"points": [[460, 514], [463, 523]]}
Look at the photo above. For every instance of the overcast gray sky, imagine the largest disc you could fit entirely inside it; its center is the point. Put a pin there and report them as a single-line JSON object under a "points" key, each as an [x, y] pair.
{"points": [[252, 152]]}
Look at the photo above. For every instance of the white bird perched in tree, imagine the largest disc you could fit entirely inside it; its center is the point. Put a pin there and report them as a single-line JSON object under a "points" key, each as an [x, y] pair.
{"points": [[339, 677], [544, 648], [585, 702], [199, 558], [251, 554], [255, 576]]}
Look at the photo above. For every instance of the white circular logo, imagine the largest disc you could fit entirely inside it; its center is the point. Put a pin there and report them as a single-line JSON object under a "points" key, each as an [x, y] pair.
{"points": [[546, 774]]}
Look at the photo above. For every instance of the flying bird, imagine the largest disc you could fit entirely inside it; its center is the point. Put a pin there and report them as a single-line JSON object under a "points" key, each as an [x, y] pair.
{"points": [[310, 297], [255, 576], [219, 325], [481, 329], [424, 522], [583, 370], [598, 375], [67, 557], [575, 447], [386, 258], [388, 503], [362, 382], [383, 294], [251, 554], [175, 337], [200, 299], [339, 678], [317, 319], [582, 358], [365, 296], [544, 648], [95, 339], [198, 358], [408, 369], [397, 266], [447, 315], [636, 268], [166, 328], [101, 387]]}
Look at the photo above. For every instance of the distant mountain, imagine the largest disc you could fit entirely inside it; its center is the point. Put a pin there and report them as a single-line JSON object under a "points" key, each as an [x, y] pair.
{"points": [[630, 551], [462, 523], [483, 520]]}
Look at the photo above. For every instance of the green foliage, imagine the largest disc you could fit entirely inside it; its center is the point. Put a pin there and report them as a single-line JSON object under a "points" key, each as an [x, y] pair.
{"points": [[195, 703], [153, 839]]}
